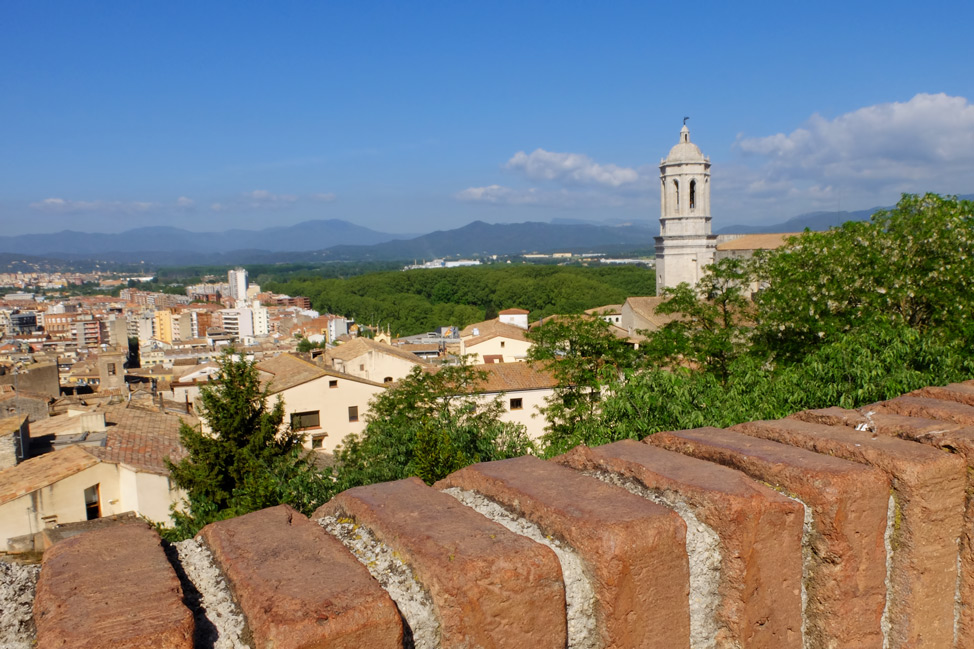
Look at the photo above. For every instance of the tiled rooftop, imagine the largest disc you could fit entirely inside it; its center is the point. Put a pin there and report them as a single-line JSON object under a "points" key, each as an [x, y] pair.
{"points": [[39, 472]]}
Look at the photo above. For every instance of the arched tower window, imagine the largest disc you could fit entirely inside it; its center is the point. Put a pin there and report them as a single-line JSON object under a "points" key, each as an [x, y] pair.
{"points": [[693, 193], [676, 186]]}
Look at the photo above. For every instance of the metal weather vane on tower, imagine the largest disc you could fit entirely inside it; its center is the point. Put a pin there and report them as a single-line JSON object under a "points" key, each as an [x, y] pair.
{"points": [[685, 120]]}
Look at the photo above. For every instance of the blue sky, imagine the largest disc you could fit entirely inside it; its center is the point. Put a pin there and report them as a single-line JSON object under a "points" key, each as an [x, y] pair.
{"points": [[412, 117]]}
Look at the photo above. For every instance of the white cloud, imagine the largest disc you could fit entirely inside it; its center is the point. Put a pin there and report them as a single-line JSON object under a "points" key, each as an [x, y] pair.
{"points": [[323, 198], [872, 154], [564, 180], [64, 206], [570, 168], [501, 195], [185, 203], [264, 198]]}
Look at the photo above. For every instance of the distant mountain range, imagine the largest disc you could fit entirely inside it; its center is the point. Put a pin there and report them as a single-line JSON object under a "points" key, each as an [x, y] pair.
{"points": [[336, 240], [309, 235], [812, 221]]}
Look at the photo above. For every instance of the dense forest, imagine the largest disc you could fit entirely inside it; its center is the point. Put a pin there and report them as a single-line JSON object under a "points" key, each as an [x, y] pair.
{"points": [[416, 301]]}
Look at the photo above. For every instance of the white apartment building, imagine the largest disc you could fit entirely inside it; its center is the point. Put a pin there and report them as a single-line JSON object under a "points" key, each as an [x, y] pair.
{"points": [[237, 278]]}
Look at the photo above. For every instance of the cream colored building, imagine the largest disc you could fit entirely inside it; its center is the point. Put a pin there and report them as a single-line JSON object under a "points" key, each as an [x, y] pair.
{"points": [[524, 389], [611, 313], [493, 341], [685, 245], [372, 360], [516, 317], [324, 405], [127, 473]]}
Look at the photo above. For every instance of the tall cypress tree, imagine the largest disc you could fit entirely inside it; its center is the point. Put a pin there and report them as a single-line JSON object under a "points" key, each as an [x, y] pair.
{"points": [[245, 460]]}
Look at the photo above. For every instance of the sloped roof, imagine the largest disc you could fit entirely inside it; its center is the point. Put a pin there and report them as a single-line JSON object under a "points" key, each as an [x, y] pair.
{"points": [[39, 472], [608, 309], [491, 329], [768, 241], [514, 312], [288, 371], [645, 308], [11, 424], [141, 439], [361, 345], [511, 377]]}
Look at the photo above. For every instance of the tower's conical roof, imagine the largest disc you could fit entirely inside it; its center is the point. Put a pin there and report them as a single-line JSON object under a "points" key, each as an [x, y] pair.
{"points": [[685, 150]]}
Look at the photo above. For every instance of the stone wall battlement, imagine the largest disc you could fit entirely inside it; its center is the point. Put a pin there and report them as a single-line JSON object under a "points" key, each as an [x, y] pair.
{"points": [[828, 529]]}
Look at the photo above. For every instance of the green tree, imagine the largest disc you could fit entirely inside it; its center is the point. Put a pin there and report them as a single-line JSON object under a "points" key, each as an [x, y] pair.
{"points": [[428, 425], [246, 461], [589, 362], [714, 324], [913, 264]]}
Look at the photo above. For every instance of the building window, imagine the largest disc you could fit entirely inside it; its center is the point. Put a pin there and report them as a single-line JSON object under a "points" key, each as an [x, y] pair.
{"points": [[693, 193], [111, 369], [305, 420], [333, 383], [361, 367], [676, 188], [502, 344], [353, 413], [517, 404], [387, 380], [92, 504], [317, 441]]}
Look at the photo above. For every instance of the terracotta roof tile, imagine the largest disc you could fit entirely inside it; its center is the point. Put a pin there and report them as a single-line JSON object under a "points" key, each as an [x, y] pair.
{"points": [[11, 424], [358, 346], [758, 241], [39, 472], [141, 439], [288, 371], [507, 377], [490, 329], [645, 307]]}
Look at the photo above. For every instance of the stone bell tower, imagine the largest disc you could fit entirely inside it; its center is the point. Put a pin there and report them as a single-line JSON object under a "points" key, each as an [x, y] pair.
{"points": [[685, 245]]}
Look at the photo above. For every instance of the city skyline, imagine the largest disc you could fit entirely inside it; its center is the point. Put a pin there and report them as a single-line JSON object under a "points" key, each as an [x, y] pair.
{"points": [[412, 119]]}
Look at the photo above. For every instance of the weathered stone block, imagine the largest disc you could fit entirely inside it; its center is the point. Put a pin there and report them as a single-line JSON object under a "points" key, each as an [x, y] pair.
{"points": [[959, 392], [489, 586], [845, 556], [951, 438], [929, 489], [112, 588], [759, 536], [298, 587], [952, 411], [635, 550]]}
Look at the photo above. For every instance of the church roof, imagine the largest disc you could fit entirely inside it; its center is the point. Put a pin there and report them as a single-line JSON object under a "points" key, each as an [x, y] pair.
{"points": [[685, 150], [768, 241]]}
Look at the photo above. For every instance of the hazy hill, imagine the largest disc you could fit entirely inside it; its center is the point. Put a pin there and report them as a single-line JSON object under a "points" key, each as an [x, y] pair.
{"points": [[336, 240], [812, 221], [479, 238], [309, 235]]}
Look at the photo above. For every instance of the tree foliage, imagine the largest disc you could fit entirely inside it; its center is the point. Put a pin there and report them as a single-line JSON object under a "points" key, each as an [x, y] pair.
{"points": [[589, 362], [246, 461], [428, 425], [420, 300], [913, 265], [714, 324]]}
